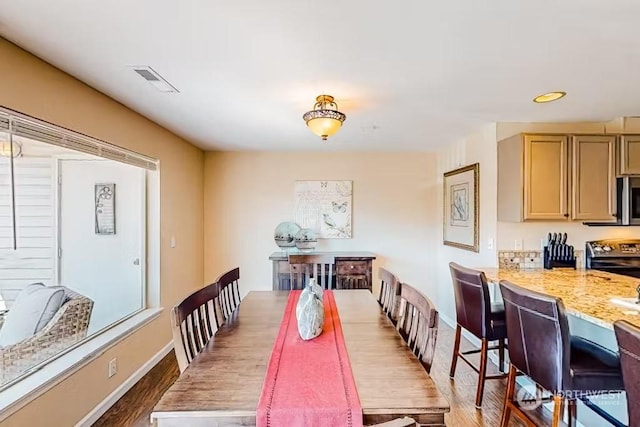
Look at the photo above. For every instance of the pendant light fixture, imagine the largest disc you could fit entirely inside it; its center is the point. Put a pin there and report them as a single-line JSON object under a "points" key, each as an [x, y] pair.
{"points": [[325, 119], [10, 149]]}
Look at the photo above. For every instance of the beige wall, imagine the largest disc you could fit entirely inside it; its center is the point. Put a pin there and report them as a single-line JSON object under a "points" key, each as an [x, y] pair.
{"points": [[248, 194], [33, 87], [479, 147], [530, 233]]}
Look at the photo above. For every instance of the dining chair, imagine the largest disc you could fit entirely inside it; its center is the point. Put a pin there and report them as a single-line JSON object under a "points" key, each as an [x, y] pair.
{"points": [[476, 314], [229, 292], [418, 324], [628, 336], [388, 298], [306, 266], [193, 323], [541, 347]]}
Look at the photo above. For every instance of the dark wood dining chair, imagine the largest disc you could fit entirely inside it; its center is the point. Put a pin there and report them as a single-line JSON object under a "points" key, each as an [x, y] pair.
{"points": [[193, 323], [229, 292], [628, 336], [418, 324], [306, 266], [476, 314], [388, 298]]}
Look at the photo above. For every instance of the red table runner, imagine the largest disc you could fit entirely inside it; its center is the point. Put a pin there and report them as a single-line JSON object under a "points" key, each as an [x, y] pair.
{"points": [[309, 383]]}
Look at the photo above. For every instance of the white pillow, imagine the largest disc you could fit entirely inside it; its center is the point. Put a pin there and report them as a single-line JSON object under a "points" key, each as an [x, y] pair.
{"points": [[30, 312], [28, 291]]}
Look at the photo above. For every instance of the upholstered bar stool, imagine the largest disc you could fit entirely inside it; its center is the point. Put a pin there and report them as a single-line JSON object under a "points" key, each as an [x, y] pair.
{"points": [[476, 314], [628, 337], [540, 347]]}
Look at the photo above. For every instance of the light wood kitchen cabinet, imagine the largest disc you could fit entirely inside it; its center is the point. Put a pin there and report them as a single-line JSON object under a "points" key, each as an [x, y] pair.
{"points": [[557, 178], [630, 155], [593, 183], [533, 178]]}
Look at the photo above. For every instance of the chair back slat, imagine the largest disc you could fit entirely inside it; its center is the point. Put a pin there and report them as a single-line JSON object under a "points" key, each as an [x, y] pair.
{"points": [[192, 329], [229, 292], [306, 266], [418, 324], [207, 320], [388, 298]]}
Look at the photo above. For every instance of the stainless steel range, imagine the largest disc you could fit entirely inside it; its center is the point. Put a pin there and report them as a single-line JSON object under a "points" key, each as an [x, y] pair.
{"points": [[620, 256]]}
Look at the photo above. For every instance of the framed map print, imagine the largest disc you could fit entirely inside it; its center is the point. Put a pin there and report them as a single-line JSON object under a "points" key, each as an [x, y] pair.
{"points": [[461, 208]]}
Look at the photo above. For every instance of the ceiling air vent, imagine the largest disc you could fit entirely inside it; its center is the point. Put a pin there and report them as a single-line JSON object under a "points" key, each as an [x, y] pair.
{"points": [[155, 79]]}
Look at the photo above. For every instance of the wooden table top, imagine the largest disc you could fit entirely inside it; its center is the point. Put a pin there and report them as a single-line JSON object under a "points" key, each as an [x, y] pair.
{"points": [[223, 383]]}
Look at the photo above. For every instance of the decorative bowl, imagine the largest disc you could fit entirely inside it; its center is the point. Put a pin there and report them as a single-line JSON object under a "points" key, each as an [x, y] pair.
{"points": [[306, 239], [285, 234]]}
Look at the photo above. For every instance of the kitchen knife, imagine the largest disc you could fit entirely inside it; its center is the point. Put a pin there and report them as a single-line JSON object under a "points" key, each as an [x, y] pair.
{"points": [[554, 239], [564, 239], [549, 241]]}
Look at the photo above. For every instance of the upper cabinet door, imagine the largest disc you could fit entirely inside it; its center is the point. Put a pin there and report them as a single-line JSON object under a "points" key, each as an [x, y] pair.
{"points": [[630, 155], [593, 190], [545, 177]]}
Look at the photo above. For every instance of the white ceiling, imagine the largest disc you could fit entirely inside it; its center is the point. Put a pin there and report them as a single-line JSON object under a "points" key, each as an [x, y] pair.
{"points": [[409, 75]]}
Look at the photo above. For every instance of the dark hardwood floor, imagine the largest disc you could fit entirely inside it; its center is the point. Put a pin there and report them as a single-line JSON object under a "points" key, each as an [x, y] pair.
{"points": [[135, 407]]}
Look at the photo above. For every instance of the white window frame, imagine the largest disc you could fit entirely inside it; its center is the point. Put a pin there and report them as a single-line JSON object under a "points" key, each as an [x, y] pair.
{"points": [[41, 378]]}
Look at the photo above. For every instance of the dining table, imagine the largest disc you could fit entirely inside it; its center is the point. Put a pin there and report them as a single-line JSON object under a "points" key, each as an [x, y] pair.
{"points": [[223, 383]]}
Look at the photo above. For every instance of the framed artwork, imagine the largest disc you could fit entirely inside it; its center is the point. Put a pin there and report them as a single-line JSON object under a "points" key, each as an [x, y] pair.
{"points": [[105, 208], [461, 208], [324, 207]]}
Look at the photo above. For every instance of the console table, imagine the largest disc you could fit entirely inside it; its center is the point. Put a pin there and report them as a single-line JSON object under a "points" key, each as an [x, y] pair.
{"points": [[352, 270]]}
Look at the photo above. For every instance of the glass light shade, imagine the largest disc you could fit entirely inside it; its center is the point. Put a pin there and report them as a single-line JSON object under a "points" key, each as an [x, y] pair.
{"points": [[5, 149], [324, 127]]}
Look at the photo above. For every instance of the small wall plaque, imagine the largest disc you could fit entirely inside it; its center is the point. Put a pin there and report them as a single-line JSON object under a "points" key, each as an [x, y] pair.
{"points": [[105, 208]]}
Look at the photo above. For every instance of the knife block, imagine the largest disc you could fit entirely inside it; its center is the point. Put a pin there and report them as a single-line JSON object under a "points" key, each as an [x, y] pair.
{"points": [[554, 260]]}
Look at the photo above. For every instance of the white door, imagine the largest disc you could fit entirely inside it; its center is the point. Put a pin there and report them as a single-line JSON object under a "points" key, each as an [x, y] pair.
{"points": [[108, 268]]}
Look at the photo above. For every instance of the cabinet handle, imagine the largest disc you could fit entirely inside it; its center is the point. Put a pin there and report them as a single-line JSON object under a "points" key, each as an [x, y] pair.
{"points": [[352, 267], [566, 215]]}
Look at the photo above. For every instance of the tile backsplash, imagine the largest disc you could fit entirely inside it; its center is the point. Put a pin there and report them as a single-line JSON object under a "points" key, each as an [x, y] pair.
{"points": [[519, 260], [527, 260]]}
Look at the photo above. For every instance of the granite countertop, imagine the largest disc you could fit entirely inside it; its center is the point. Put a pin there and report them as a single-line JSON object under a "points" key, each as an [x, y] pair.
{"points": [[586, 294]]}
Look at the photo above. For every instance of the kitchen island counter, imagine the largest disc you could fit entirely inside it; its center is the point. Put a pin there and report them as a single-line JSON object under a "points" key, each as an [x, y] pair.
{"points": [[586, 294]]}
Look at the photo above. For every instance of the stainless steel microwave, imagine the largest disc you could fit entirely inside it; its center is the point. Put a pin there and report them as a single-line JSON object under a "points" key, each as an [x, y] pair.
{"points": [[628, 189]]}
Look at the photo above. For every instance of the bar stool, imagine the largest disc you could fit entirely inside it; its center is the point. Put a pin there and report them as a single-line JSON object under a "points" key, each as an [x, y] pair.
{"points": [[541, 348], [628, 337], [476, 314]]}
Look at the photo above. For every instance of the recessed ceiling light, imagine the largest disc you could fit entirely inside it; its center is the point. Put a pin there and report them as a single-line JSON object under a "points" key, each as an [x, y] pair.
{"points": [[155, 79], [548, 97]]}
